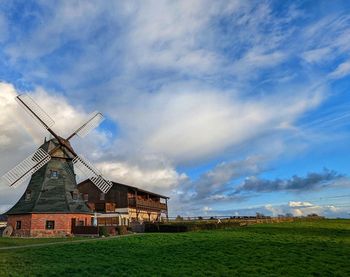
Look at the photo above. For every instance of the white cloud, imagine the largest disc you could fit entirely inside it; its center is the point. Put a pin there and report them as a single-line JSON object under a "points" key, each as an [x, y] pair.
{"points": [[319, 48], [275, 210], [317, 55], [299, 204], [330, 211], [189, 123], [155, 176], [256, 60], [342, 70], [74, 19], [167, 34], [206, 209], [300, 208]]}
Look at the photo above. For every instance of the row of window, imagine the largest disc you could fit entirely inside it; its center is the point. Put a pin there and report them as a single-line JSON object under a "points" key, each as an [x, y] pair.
{"points": [[75, 195], [86, 196], [50, 224]]}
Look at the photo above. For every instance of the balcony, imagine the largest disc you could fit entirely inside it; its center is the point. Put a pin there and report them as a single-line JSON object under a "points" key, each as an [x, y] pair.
{"points": [[146, 204]]}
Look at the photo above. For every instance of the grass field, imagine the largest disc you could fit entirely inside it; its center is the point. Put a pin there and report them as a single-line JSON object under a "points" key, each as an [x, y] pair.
{"points": [[319, 248], [8, 242]]}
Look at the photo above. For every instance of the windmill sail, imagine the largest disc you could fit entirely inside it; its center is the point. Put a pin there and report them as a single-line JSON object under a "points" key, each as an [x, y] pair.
{"points": [[91, 124], [26, 168], [31, 107], [92, 173]]}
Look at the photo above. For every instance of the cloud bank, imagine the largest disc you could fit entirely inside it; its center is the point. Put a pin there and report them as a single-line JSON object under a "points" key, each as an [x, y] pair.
{"points": [[312, 181], [239, 86]]}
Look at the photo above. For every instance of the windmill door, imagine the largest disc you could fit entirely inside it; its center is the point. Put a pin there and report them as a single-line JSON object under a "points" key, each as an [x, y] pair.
{"points": [[73, 224]]}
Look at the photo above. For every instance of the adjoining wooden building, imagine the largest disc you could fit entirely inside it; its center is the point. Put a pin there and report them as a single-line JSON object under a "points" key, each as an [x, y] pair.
{"points": [[123, 204]]}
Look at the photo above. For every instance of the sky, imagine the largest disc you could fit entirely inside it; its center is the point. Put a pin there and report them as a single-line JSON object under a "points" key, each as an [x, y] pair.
{"points": [[227, 107]]}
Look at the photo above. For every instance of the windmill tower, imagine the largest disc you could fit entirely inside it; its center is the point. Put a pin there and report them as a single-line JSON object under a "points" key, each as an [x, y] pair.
{"points": [[51, 204]]}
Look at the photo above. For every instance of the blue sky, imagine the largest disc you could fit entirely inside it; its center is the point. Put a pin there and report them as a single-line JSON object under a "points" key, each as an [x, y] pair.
{"points": [[228, 107]]}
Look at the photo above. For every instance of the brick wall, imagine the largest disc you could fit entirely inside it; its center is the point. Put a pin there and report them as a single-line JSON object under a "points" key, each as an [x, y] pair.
{"points": [[34, 225], [25, 224]]}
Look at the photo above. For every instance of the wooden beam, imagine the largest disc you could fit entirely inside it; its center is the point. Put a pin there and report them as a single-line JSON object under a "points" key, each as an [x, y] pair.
{"points": [[166, 205]]}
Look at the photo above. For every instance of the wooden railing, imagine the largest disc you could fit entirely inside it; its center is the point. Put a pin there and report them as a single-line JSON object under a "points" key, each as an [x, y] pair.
{"points": [[146, 203]]}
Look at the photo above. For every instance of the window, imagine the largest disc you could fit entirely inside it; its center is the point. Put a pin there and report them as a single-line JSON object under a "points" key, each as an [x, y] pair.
{"points": [[102, 196], [28, 195], [110, 207], [54, 174], [75, 194], [50, 224], [86, 197], [18, 224], [100, 207]]}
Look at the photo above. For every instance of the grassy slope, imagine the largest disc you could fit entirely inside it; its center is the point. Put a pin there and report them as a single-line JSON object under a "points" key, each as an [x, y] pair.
{"points": [[289, 249]]}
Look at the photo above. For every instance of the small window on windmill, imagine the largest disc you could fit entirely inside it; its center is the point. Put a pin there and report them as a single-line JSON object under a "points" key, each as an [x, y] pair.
{"points": [[75, 194], [54, 174], [102, 196], [28, 195], [50, 224], [86, 197], [18, 224]]}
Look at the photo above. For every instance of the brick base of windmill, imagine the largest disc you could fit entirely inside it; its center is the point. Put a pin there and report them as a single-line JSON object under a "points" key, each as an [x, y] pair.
{"points": [[40, 225]]}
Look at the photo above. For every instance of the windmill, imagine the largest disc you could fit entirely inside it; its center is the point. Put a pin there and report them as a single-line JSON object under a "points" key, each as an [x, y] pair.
{"points": [[51, 193]]}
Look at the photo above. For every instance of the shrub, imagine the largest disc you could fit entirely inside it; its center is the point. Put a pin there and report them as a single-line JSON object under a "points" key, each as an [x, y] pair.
{"points": [[187, 226], [122, 230], [102, 231]]}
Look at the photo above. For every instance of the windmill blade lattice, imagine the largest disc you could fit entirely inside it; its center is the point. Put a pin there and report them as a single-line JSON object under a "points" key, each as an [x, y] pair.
{"points": [[92, 173], [31, 107], [26, 168], [91, 124]]}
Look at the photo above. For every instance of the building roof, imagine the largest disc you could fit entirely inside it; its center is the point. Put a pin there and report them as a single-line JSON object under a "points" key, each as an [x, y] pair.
{"points": [[142, 190], [131, 188], [3, 217]]}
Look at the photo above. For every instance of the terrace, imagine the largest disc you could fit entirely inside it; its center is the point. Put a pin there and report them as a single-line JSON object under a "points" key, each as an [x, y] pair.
{"points": [[146, 203]]}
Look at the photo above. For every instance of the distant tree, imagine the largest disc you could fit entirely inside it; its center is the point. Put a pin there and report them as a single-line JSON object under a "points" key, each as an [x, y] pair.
{"points": [[179, 218], [259, 215], [200, 217], [313, 215]]}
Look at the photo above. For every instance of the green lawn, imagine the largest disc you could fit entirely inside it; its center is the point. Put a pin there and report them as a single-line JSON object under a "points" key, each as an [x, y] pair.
{"points": [[319, 248], [8, 242]]}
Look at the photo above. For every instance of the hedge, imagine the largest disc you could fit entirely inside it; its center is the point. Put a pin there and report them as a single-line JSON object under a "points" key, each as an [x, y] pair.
{"points": [[186, 227]]}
